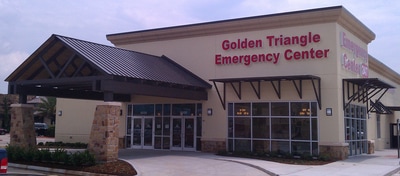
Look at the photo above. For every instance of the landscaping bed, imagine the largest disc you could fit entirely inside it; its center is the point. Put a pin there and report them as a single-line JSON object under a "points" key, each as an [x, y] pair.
{"points": [[52, 155], [119, 167], [281, 157]]}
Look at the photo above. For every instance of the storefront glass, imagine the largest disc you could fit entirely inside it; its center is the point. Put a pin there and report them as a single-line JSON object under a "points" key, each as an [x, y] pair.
{"points": [[283, 127], [164, 126], [356, 129]]}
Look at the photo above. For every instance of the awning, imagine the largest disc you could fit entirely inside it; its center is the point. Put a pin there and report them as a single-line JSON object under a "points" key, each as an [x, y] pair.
{"points": [[363, 90], [255, 83]]}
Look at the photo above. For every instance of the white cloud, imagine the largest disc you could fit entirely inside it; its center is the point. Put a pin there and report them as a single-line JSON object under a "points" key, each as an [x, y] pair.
{"points": [[9, 62]]}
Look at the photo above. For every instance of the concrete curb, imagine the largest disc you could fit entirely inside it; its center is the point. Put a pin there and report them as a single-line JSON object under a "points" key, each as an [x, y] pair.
{"points": [[54, 170], [251, 165]]}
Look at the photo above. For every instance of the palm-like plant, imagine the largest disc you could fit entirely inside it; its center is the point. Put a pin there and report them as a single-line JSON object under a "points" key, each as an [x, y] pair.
{"points": [[47, 107]]}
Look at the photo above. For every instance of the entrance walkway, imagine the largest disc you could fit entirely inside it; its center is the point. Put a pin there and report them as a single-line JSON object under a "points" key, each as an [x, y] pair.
{"points": [[179, 163]]}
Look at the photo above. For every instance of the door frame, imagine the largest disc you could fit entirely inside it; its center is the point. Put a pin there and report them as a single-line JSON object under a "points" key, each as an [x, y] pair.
{"points": [[183, 133], [142, 132]]}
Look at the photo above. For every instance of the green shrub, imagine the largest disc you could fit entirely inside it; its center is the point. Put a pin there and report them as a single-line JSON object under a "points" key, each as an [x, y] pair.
{"points": [[51, 131], [28, 154], [14, 153], [76, 145], [57, 155], [46, 155]]}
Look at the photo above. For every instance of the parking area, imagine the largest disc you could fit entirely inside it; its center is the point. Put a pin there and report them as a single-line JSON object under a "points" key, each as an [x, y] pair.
{"points": [[5, 139]]}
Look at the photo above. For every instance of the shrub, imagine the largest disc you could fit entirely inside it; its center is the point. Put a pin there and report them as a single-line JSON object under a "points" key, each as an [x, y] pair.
{"points": [[51, 131], [76, 145], [58, 155]]}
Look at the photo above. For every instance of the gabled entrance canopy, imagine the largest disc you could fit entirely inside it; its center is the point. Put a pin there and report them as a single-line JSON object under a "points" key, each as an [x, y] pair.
{"points": [[275, 81], [71, 68], [363, 90]]}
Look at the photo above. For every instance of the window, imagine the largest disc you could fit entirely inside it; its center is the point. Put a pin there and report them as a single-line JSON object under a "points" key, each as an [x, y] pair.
{"points": [[355, 124], [378, 126], [288, 127]]}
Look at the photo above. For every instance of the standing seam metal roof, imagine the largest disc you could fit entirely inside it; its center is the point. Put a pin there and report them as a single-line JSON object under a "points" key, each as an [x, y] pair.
{"points": [[131, 64]]}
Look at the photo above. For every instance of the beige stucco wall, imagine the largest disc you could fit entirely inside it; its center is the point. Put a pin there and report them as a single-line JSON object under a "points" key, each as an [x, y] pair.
{"points": [[391, 98], [75, 123], [197, 54]]}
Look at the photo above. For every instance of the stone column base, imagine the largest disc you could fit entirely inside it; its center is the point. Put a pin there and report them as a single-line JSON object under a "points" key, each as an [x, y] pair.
{"points": [[213, 146], [103, 142], [335, 152], [22, 128], [371, 146]]}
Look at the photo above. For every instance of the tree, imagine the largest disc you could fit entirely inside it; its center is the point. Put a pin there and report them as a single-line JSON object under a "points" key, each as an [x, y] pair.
{"points": [[6, 112], [47, 108]]}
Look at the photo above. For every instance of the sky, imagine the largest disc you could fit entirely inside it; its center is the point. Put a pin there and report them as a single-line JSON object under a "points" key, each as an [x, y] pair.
{"points": [[27, 24]]}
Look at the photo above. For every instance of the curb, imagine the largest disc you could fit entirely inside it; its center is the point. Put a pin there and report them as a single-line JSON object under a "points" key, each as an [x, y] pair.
{"points": [[54, 170], [250, 165]]}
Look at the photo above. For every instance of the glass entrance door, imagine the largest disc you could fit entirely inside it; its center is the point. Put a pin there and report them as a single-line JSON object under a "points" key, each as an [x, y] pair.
{"points": [[142, 136], [183, 133]]}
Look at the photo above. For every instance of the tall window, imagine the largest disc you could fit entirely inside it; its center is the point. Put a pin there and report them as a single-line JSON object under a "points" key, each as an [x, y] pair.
{"points": [[378, 126], [355, 123], [285, 127]]}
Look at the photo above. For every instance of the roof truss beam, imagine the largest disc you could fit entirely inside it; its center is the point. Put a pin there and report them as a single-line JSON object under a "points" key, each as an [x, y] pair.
{"points": [[363, 90]]}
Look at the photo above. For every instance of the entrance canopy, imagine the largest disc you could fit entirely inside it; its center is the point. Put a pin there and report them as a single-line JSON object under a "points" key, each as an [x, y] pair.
{"points": [[255, 83], [363, 90], [71, 68]]}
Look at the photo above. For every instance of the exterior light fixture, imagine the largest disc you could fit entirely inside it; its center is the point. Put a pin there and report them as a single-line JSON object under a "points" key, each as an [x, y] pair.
{"points": [[209, 111], [328, 111], [59, 113]]}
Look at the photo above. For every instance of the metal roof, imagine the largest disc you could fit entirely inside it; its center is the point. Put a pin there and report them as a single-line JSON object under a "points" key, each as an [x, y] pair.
{"points": [[131, 64], [73, 68]]}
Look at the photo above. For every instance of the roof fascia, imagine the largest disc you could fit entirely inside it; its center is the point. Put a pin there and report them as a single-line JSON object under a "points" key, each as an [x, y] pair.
{"points": [[28, 60], [382, 69], [315, 16]]}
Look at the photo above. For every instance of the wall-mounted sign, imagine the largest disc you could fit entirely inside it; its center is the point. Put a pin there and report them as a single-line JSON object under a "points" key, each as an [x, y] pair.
{"points": [[357, 62], [272, 57]]}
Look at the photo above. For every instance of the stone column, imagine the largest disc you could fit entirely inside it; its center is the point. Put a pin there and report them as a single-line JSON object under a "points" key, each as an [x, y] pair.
{"points": [[22, 128], [103, 141]]}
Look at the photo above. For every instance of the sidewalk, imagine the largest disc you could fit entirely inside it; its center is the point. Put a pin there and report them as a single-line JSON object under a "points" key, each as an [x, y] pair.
{"points": [[380, 163], [154, 162]]}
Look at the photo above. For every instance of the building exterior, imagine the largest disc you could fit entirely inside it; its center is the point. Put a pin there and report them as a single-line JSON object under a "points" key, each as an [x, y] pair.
{"points": [[299, 82]]}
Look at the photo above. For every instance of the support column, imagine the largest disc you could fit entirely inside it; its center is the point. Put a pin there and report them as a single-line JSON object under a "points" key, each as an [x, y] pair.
{"points": [[103, 141], [22, 128]]}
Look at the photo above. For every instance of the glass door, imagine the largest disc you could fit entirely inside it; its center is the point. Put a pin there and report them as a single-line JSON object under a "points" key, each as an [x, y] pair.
{"points": [[176, 133], [142, 136], [189, 134], [137, 132], [183, 133]]}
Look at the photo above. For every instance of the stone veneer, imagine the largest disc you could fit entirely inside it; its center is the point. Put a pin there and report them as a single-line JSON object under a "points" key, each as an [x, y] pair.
{"points": [[22, 128], [213, 146], [103, 141], [334, 152]]}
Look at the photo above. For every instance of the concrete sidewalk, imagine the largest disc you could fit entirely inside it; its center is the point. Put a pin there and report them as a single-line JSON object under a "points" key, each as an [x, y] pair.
{"points": [[155, 162]]}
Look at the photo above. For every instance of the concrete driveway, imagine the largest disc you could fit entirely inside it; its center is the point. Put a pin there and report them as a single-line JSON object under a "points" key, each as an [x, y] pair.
{"points": [[181, 163]]}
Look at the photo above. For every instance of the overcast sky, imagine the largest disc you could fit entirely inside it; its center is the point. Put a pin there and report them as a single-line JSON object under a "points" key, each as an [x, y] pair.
{"points": [[26, 24]]}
